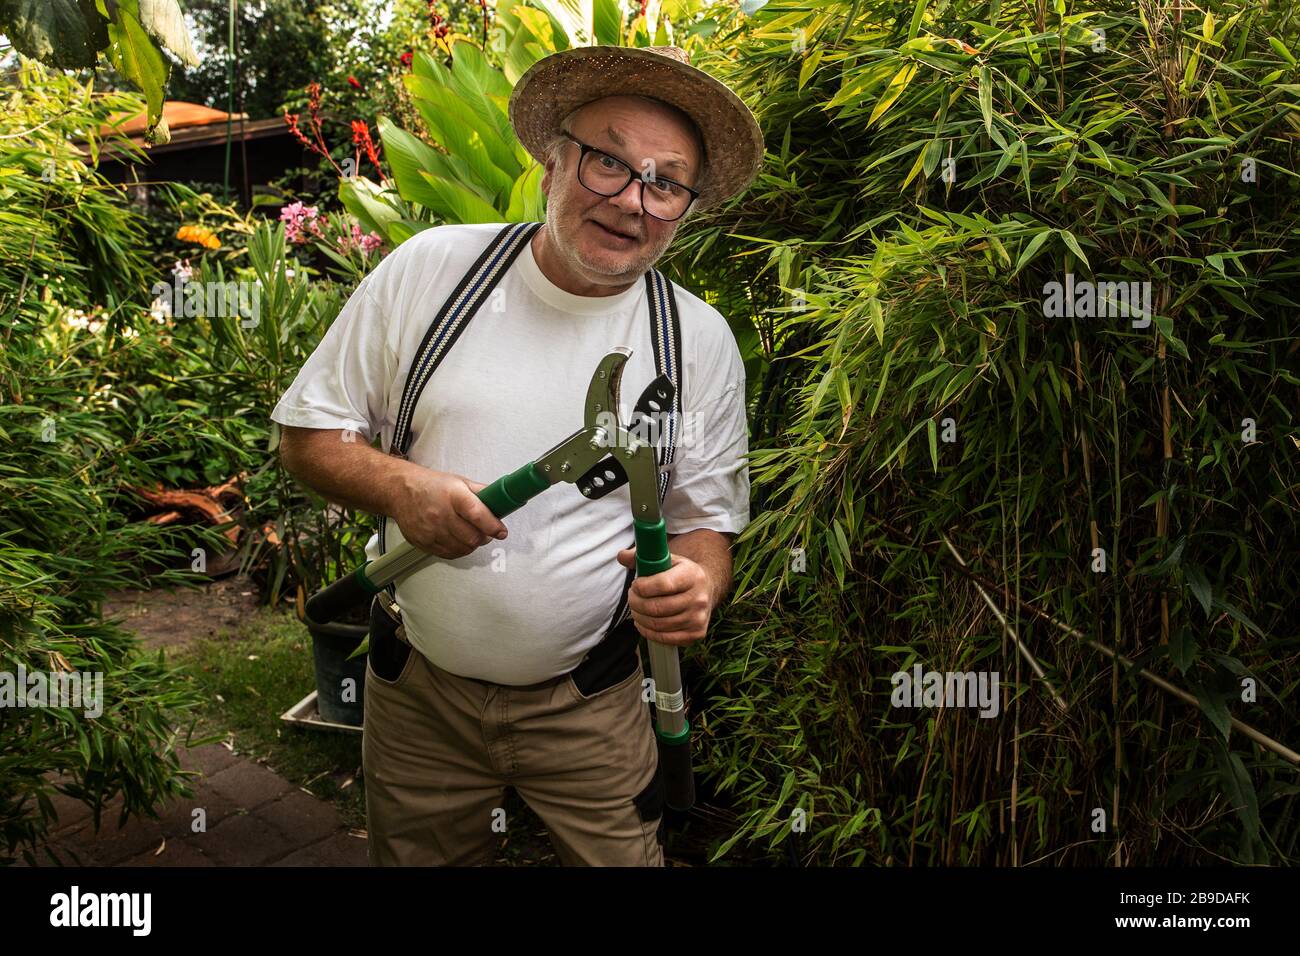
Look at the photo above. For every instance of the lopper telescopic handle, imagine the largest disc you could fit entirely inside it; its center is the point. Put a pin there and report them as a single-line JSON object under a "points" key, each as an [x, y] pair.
{"points": [[672, 729], [505, 495]]}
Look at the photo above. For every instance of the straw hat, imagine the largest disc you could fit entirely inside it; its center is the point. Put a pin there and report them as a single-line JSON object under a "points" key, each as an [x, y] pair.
{"points": [[556, 85]]}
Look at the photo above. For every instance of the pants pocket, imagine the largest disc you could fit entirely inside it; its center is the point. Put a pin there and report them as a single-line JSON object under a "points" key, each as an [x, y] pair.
{"points": [[389, 657], [609, 664]]}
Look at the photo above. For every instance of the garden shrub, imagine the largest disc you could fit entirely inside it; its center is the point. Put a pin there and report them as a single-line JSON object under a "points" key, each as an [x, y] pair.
{"points": [[74, 326], [932, 172]]}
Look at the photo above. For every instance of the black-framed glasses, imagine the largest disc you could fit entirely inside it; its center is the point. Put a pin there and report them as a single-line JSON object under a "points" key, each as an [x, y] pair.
{"points": [[607, 175]]}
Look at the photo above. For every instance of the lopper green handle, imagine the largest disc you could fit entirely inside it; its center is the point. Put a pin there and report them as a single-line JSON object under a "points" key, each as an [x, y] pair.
{"points": [[653, 557], [511, 492], [651, 547], [505, 495], [675, 758]]}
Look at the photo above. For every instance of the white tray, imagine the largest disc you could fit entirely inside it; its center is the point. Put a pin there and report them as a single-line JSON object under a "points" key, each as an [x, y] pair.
{"points": [[305, 714]]}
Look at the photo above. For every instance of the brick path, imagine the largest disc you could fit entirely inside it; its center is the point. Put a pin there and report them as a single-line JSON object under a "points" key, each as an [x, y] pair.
{"points": [[254, 818]]}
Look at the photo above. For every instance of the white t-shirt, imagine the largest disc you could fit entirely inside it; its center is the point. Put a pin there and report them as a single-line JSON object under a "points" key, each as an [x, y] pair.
{"points": [[513, 385]]}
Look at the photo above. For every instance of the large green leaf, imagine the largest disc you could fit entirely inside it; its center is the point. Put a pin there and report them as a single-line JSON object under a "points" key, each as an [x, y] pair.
{"points": [[404, 229], [527, 201], [372, 206], [462, 132], [164, 21], [456, 203], [574, 18], [607, 22], [534, 33], [484, 89], [412, 159], [134, 55], [408, 157], [66, 34]]}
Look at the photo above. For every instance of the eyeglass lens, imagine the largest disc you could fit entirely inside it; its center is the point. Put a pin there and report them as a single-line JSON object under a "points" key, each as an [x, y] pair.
{"points": [[603, 174]]}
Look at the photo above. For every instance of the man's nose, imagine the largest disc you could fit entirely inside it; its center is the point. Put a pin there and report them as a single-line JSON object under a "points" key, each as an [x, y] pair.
{"points": [[629, 200]]}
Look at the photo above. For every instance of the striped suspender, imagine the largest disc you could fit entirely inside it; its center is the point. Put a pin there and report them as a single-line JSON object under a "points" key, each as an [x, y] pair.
{"points": [[455, 315], [462, 305], [666, 333]]}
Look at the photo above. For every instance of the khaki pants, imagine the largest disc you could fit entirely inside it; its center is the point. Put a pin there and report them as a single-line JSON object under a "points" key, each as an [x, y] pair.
{"points": [[438, 751]]}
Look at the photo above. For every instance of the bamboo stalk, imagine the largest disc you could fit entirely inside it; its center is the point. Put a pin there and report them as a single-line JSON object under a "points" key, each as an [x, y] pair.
{"points": [[1011, 632], [1259, 737], [1282, 750]]}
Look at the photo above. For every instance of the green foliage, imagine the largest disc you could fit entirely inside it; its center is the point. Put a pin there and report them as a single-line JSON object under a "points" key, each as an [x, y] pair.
{"points": [[464, 163], [897, 306], [252, 360], [106, 388], [69, 34], [75, 431], [285, 44], [484, 174]]}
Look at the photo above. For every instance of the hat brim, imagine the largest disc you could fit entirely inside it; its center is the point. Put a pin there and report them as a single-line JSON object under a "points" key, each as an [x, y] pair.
{"points": [[556, 85]]}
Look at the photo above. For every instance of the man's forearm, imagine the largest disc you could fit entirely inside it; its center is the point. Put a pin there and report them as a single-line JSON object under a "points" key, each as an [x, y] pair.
{"points": [[348, 473], [711, 550]]}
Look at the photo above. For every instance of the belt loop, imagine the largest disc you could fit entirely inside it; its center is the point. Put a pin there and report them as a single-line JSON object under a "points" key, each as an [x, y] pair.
{"points": [[394, 613], [389, 605]]}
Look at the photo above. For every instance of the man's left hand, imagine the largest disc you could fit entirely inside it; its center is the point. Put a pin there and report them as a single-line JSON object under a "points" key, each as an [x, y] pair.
{"points": [[673, 606]]}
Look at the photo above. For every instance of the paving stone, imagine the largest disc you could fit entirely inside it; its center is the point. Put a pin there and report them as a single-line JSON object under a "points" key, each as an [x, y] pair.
{"points": [[244, 840], [68, 855], [78, 814], [112, 846], [300, 818], [211, 758], [176, 853], [70, 811], [337, 850], [254, 818], [85, 827], [177, 815], [250, 785]]}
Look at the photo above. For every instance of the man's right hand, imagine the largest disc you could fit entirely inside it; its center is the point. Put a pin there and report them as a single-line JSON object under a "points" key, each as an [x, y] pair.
{"points": [[440, 513]]}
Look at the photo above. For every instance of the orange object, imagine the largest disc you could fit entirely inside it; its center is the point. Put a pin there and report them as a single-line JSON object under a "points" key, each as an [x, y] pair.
{"points": [[199, 235]]}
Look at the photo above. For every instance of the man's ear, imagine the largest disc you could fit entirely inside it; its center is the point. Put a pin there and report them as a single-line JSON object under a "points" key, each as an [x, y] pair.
{"points": [[547, 176]]}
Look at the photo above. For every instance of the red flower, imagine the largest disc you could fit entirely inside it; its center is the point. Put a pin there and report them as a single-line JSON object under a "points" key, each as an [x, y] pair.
{"points": [[291, 119], [406, 58], [313, 108], [361, 138], [437, 26], [352, 81]]}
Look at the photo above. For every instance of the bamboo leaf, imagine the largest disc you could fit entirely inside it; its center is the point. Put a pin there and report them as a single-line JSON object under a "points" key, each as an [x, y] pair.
{"points": [[986, 98], [892, 92], [809, 67], [1240, 792], [1073, 245], [1214, 708], [1280, 49], [1031, 249], [918, 14], [1199, 586]]}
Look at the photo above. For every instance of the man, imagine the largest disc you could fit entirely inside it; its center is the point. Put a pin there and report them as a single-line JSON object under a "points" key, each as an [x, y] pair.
{"points": [[515, 665]]}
